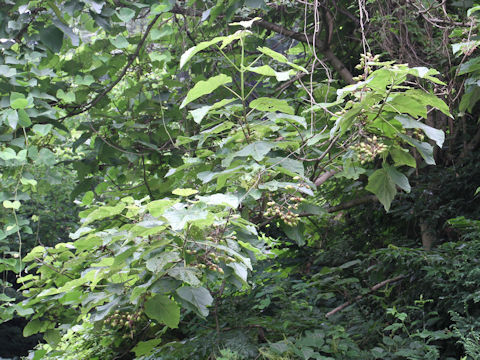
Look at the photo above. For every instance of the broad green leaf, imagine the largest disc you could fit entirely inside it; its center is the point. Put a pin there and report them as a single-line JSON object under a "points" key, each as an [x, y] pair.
{"points": [[126, 14], [199, 297], [257, 150], [163, 310], [184, 192], [120, 42], [398, 178], [46, 157], [185, 274], [229, 200], [178, 216], [33, 327], [157, 264], [52, 38], [15, 205], [424, 148], [146, 347], [266, 70], [104, 212], [381, 184], [199, 114], [42, 129], [18, 101], [271, 105], [187, 55], [8, 154], [402, 157], [408, 123], [23, 118], [157, 207], [68, 97], [280, 58], [12, 118], [283, 118], [205, 87]]}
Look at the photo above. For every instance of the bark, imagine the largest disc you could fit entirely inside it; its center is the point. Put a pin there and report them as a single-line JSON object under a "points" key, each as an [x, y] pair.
{"points": [[428, 235]]}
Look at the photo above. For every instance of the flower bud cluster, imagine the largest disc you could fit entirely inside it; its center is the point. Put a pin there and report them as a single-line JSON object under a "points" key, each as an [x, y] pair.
{"points": [[123, 321], [284, 211], [367, 151], [418, 134], [364, 64]]}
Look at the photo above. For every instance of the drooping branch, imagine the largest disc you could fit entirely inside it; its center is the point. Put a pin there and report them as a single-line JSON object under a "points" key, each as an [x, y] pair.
{"points": [[359, 297], [324, 177], [85, 107], [336, 63]]}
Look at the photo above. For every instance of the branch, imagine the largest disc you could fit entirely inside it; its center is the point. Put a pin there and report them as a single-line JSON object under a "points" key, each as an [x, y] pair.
{"points": [[352, 203], [372, 289], [91, 104], [324, 177], [321, 45]]}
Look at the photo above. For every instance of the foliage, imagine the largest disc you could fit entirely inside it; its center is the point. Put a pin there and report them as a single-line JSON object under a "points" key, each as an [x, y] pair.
{"points": [[208, 174]]}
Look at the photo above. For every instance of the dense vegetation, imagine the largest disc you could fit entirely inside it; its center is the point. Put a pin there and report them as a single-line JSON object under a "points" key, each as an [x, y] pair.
{"points": [[239, 179]]}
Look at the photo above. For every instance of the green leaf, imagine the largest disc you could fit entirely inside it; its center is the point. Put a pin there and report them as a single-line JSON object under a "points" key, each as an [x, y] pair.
{"points": [[402, 157], [381, 184], [408, 123], [68, 97], [199, 297], [424, 148], [398, 178], [126, 14], [185, 274], [120, 42], [52, 38], [157, 207], [146, 347], [104, 212], [42, 129], [286, 118], [163, 310], [199, 114], [15, 205], [178, 216], [158, 263], [257, 150], [229, 200], [205, 87], [280, 58], [12, 118], [33, 327], [184, 192], [187, 55], [23, 118], [18, 101], [8, 154], [271, 105]]}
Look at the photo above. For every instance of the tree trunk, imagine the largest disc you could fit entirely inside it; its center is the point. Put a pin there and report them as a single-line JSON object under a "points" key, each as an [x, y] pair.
{"points": [[428, 235]]}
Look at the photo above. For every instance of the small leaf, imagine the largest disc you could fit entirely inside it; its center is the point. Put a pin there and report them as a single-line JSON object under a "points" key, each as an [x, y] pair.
{"points": [[163, 310], [199, 297], [157, 207], [52, 38], [185, 274], [12, 118], [435, 134], [398, 178], [184, 192], [381, 184], [23, 118], [257, 150], [42, 129], [402, 157], [146, 347], [158, 263], [120, 42], [18, 101], [205, 87], [126, 14], [271, 105], [424, 148]]}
